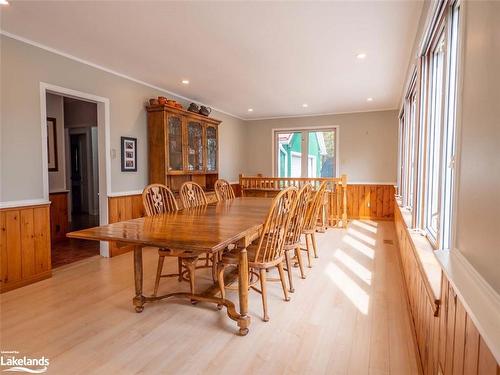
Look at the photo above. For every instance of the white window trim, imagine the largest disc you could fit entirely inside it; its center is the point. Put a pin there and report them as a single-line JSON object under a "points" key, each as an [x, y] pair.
{"points": [[286, 158], [296, 154]]}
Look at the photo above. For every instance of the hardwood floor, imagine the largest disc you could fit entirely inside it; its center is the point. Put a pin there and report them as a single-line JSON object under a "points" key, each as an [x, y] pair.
{"points": [[349, 316], [72, 250]]}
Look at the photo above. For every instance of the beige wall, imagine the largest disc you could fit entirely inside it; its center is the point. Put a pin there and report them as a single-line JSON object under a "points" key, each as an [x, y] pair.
{"points": [[368, 143], [427, 8], [478, 221], [23, 67], [79, 113], [55, 108]]}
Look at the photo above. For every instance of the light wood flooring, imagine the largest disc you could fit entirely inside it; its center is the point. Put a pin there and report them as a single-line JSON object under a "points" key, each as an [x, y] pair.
{"points": [[348, 316]]}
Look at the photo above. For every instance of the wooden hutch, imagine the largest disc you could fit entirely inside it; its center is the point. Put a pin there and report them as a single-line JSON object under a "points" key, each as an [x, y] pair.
{"points": [[183, 146]]}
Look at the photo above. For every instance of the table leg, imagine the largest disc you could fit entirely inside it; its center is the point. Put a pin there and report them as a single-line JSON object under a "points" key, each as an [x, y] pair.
{"points": [[139, 299], [244, 319]]}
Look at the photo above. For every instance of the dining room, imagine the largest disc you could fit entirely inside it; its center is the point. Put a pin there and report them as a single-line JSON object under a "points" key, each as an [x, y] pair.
{"points": [[277, 187]]}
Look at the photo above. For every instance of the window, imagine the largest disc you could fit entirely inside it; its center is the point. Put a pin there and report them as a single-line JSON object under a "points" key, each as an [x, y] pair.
{"points": [[412, 145], [434, 125], [449, 133], [306, 153], [402, 155], [407, 145], [427, 130]]}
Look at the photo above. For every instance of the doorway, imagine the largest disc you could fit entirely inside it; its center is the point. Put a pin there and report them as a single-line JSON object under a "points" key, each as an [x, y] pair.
{"points": [[76, 175], [78, 187]]}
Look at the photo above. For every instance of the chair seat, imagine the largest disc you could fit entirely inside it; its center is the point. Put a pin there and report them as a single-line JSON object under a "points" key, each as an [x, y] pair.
{"points": [[232, 258]]}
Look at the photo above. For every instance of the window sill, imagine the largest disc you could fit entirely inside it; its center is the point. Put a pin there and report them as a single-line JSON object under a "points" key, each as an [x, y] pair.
{"points": [[425, 255]]}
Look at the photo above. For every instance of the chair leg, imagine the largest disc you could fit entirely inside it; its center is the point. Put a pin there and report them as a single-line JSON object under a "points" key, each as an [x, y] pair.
{"points": [[298, 254], [179, 267], [264, 293], [220, 278], [161, 259], [283, 281], [308, 251], [289, 270], [313, 237]]}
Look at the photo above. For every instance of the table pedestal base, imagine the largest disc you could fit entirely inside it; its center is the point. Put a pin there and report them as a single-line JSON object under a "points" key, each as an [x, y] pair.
{"points": [[242, 319]]}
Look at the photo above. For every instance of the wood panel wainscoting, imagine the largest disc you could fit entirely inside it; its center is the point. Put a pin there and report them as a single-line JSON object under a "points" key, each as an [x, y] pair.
{"points": [[59, 223], [447, 339], [126, 207], [24, 245], [370, 201], [363, 201]]}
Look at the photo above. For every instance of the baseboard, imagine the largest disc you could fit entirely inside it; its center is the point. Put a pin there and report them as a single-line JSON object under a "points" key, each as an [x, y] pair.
{"points": [[6, 287]]}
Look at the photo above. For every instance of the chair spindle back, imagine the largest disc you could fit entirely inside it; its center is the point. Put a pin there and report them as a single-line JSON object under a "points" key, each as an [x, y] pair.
{"points": [[158, 199], [298, 219], [275, 229], [314, 208], [192, 195], [223, 190]]}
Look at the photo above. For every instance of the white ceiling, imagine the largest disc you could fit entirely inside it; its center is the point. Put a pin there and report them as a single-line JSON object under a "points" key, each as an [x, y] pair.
{"points": [[269, 56]]}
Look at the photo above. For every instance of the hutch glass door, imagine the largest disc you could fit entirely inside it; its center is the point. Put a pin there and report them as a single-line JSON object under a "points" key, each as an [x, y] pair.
{"points": [[211, 148], [195, 146], [174, 143]]}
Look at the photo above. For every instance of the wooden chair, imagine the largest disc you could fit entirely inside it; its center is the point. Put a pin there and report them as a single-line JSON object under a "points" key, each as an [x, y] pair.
{"points": [[268, 251], [159, 199], [297, 222], [192, 195], [311, 221], [223, 190]]}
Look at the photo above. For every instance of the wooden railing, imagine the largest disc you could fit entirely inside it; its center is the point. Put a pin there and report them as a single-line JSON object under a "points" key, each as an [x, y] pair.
{"points": [[335, 207]]}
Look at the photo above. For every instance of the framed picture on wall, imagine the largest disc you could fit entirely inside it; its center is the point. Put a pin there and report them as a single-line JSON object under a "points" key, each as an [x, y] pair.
{"points": [[52, 144], [129, 154]]}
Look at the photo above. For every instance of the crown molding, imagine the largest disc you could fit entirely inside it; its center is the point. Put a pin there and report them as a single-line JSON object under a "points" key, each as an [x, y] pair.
{"points": [[321, 114]]}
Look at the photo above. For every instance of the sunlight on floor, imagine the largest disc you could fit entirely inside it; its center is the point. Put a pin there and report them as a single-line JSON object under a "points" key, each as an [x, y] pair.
{"points": [[359, 246], [361, 236], [365, 226], [362, 272], [351, 290]]}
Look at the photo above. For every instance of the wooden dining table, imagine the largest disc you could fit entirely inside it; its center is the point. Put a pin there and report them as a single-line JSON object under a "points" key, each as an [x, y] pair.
{"points": [[205, 230]]}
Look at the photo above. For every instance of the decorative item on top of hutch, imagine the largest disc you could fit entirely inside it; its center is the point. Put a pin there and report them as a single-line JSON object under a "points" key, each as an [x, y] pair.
{"points": [[183, 146]]}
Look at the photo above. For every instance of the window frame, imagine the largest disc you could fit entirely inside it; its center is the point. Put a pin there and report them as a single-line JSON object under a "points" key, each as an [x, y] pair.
{"points": [[305, 146], [433, 118], [451, 124], [434, 128]]}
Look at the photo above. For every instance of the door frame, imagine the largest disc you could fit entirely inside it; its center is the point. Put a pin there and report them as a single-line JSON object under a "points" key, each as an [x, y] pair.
{"points": [[305, 129], [104, 147]]}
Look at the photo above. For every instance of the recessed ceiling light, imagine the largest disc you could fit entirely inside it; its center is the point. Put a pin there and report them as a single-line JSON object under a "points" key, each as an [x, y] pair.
{"points": [[4, 2], [250, 109], [185, 82], [369, 100], [361, 56], [305, 105]]}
